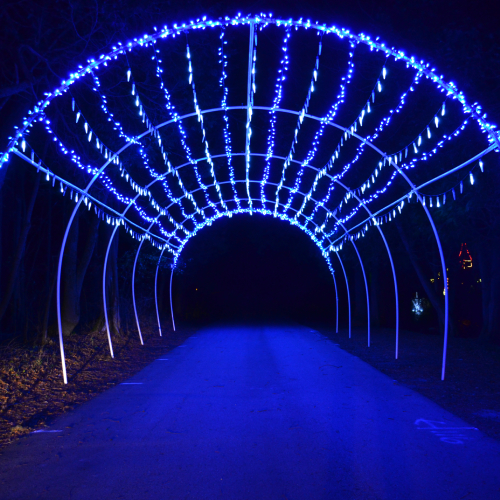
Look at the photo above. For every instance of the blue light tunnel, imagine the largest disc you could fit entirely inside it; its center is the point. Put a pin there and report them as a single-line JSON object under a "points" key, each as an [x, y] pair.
{"points": [[319, 188]]}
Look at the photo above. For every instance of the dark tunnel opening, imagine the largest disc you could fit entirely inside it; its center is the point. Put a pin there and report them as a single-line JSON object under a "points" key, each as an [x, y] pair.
{"points": [[253, 268]]}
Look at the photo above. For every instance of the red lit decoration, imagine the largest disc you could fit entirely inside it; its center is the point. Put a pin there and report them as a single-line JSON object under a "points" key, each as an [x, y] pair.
{"points": [[464, 257]]}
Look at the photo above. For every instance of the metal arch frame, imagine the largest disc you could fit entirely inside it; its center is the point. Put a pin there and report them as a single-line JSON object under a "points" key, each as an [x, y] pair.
{"points": [[262, 19], [364, 277], [249, 108], [396, 202], [156, 282], [133, 284], [336, 304], [443, 267], [171, 301], [104, 291], [61, 256], [226, 214], [238, 20], [264, 108], [348, 293], [135, 263], [156, 274], [362, 203], [133, 274], [156, 291], [412, 186], [133, 290], [436, 235], [368, 211], [128, 144], [84, 194]]}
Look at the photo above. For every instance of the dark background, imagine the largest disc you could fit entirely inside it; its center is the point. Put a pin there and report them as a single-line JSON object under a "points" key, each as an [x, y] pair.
{"points": [[253, 268]]}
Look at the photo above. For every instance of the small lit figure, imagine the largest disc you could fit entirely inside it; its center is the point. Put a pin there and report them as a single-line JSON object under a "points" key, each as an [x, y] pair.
{"points": [[417, 308]]}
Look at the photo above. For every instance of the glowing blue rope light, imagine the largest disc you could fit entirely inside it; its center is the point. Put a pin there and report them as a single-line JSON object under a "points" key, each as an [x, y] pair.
{"points": [[263, 211]]}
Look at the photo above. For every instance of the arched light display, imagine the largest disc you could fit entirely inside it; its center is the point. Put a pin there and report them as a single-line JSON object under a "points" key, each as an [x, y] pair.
{"points": [[291, 119]]}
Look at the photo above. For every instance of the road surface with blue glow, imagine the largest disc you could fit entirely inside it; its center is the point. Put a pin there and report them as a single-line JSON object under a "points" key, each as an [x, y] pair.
{"points": [[276, 412]]}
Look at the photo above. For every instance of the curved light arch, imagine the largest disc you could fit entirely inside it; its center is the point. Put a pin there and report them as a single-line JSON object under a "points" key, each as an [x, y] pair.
{"points": [[385, 156], [450, 87], [390, 260], [18, 143], [156, 292], [208, 222], [348, 293], [364, 278]]}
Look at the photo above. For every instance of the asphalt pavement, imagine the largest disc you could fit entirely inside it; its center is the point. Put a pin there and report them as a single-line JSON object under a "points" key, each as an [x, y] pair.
{"points": [[247, 412]]}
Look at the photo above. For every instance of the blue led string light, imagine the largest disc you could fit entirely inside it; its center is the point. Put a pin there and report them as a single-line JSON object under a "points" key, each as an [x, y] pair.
{"points": [[107, 154], [174, 115], [153, 173], [388, 212], [76, 159], [360, 149], [283, 68], [133, 140], [204, 140], [115, 219], [448, 87], [263, 211], [227, 133], [450, 90], [317, 138], [251, 89], [300, 120], [411, 164]]}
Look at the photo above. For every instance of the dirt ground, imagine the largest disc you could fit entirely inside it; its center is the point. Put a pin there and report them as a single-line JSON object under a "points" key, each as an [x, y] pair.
{"points": [[32, 393]]}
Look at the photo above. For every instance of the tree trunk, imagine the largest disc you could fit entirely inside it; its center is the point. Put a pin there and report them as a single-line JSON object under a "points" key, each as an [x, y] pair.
{"points": [[46, 311], [1, 239], [74, 270], [70, 300], [374, 286], [360, 312], [19, 252]]}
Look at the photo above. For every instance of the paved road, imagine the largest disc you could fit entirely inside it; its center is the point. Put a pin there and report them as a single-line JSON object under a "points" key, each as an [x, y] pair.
{"points": [[255, 413]]}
